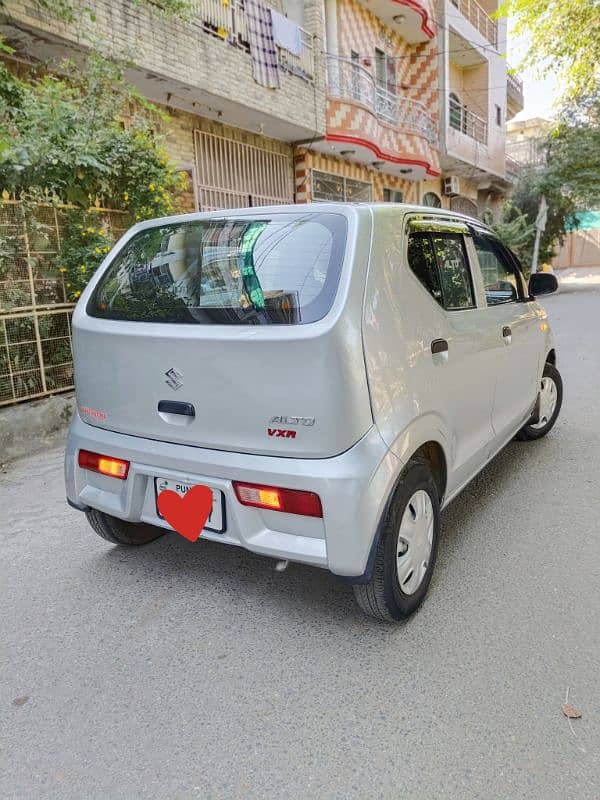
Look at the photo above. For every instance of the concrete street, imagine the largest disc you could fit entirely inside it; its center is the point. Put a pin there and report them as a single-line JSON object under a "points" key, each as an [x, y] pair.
{"points": [[197, 671]]}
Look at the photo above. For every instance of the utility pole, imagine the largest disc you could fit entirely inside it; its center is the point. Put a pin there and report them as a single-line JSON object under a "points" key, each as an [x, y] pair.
{"points": [[540, 227]]}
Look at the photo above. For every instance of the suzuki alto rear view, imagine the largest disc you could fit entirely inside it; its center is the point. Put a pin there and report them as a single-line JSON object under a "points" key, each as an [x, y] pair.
{"points": [[312, 383]]}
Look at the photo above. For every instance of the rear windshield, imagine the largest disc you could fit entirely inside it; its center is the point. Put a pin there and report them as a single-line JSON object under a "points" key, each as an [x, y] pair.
{"points": [[283, 270]]}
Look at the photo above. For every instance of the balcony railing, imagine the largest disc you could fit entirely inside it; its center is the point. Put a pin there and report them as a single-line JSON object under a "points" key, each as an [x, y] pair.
{"points": [[514, 84], [513, 168], [478, 17], [465, 121], [227, 21], [348, 80]]}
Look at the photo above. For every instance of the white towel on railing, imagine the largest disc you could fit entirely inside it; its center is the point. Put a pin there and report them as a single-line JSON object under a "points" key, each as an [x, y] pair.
{"points": [[263, 52], [286, 33]]}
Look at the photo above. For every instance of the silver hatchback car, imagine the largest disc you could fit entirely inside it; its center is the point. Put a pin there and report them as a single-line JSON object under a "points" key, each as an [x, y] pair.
{"points": [[335, 374]]}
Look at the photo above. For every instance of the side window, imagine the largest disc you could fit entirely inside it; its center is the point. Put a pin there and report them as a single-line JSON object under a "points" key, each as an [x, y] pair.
{"points": [[499, 277], [455, 278], [421, 260]]}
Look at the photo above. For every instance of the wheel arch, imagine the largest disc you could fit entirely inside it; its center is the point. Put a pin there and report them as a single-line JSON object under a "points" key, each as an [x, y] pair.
{"points": [[551, 357], [430, 452]]}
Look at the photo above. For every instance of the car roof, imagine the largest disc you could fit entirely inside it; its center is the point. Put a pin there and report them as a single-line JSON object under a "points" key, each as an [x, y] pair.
{"points": [[305, 208]]}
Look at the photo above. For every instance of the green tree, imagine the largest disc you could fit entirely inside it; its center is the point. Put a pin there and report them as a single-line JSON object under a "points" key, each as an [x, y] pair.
{"points": [[573, 150], [564, 37]]}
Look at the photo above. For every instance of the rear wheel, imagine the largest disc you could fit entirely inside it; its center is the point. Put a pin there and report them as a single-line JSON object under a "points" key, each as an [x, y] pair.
{"points": [[406, 551], [118, 531], [551, 391]]}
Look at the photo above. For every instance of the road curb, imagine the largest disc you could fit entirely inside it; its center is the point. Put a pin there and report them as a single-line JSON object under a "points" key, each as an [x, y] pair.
{"points": [[31, 427]]}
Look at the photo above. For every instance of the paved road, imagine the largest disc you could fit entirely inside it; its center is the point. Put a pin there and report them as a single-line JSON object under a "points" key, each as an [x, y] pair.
{"points": [[196, 671]]}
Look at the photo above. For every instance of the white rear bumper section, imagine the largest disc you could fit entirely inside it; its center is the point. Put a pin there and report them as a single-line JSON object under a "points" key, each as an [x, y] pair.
{"points": [[353, 488]]}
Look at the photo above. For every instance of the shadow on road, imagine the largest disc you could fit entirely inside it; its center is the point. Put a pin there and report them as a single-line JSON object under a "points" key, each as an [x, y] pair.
{"points": [[235, 575]]}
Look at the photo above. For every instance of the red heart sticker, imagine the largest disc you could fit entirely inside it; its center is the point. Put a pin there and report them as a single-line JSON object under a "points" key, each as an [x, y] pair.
{"points": [[187, 514]]}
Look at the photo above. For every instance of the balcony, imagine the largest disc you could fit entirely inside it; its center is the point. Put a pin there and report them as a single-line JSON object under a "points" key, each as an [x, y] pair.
{"points": [[513, 169], [228, 22], [200, 63], [411, 19], [479, 18], [515, 100], [350, 81], [466, 122], [399, 131]]}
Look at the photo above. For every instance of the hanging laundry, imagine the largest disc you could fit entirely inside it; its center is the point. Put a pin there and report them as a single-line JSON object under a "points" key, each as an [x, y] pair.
{"points": [[263, 51], [286, 33]]}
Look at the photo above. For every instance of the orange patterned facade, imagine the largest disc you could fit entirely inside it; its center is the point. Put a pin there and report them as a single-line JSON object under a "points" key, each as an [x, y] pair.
{"points": [[382, 105]]}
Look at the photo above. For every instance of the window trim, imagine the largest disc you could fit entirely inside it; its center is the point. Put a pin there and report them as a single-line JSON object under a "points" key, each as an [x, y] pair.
{"points": [[437, 228]]}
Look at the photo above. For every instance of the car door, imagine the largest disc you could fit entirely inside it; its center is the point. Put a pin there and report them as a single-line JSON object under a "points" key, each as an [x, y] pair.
{"points": [[457, 377], [516, 329]]}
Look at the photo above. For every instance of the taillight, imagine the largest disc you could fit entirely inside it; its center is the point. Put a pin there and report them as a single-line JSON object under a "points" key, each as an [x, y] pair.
{"points": [[291, 501], [105, 465]]}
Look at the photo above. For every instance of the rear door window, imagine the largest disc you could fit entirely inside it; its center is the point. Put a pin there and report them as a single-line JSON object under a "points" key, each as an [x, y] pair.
{"points": [[255, 271], [439, 261]]}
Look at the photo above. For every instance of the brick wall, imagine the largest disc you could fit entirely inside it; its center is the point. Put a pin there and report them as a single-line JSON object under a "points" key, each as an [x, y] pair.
{"points": [[167, 50]]}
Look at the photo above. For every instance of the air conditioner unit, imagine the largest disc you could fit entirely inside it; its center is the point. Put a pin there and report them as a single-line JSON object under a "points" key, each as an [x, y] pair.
{"points": [[451, 186]]}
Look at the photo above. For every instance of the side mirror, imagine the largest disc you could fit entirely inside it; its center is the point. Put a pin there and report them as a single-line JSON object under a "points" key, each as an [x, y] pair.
{"points": [[542, 283]]}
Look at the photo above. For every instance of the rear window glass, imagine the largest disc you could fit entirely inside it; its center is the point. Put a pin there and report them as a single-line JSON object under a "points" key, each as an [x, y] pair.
{"points": [[283, 270]]}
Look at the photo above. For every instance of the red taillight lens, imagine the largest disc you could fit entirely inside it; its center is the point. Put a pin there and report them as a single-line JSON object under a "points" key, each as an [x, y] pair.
{"points": [[105, 465], [291, 501]]}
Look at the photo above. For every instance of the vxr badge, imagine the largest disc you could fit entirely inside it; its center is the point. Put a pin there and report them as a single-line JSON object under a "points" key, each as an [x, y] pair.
{"points": [[174, 378]]}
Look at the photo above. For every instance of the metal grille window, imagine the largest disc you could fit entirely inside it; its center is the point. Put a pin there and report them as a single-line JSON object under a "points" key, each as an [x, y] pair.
{"points": [[334, 187], [393, 196], [233, 174]]}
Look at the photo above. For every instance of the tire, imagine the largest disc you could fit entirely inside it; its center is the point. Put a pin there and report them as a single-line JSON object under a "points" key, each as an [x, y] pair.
{"points": [[392, 594], [551, 381], [118, 531]]}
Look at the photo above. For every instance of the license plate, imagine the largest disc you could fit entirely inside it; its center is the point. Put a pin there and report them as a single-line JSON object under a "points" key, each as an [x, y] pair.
{"points": [[216, 518]]}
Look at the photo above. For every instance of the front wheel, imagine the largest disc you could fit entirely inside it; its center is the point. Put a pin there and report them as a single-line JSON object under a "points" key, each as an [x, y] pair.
{"points": [[406, 551], [551, 392]]}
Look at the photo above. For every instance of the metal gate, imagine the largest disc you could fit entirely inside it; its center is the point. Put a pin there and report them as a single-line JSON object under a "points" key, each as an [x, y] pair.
{"points": [[234, 174]]}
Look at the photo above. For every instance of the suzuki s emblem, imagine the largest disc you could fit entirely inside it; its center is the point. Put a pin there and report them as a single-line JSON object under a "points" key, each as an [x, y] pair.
{"points": [[174, 378]]}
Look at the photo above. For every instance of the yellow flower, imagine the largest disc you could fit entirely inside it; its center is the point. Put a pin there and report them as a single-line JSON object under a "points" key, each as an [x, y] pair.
{"points": [[151, 187], [82, 268], [62, 269], [97, 251], [101, 232], [105, 249], [76, 294], [68, 284], [125, 196], [91, 230]]}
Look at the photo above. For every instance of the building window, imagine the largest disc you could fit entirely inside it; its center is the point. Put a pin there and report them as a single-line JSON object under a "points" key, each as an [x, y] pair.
{"points": [[334, 187], [431, 200], [393, 196], [498, 116]]}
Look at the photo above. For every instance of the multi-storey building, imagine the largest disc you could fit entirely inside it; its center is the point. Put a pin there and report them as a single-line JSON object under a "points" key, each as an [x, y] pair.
{"points": [[235, 106], [525, 141], [319, 100], [381, 141], [478, 94]]}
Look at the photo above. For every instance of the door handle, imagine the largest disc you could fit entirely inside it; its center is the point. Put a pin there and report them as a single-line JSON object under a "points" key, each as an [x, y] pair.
{"points": [[175, 407], [439, 346], [507, 334]]}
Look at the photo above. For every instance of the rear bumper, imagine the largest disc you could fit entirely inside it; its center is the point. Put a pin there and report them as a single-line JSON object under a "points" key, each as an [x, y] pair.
{"points": [[353, 488]]}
